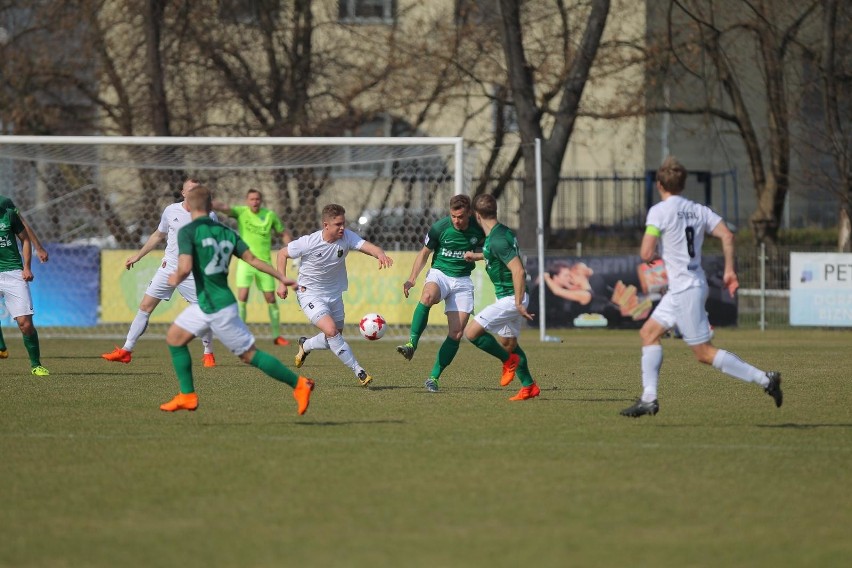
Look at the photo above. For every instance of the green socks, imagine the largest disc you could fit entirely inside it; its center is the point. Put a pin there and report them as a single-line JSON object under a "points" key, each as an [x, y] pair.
{"points": [[241, 306], [446, 353], [274, 368], [418, 323], [487, 343], [182, 362], [274, 319], [523, 371], [33, 349]]}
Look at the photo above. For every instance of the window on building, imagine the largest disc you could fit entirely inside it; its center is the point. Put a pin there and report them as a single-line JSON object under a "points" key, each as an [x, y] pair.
{"points": [[367, 11], [248, 12], [476, 12]]}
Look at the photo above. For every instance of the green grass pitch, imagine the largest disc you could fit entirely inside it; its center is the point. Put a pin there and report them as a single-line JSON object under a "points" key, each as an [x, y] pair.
{"points": [[93, 474]]}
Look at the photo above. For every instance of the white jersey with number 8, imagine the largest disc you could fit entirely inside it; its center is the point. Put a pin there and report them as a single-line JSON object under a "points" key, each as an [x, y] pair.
{"points": [[682, 224]]}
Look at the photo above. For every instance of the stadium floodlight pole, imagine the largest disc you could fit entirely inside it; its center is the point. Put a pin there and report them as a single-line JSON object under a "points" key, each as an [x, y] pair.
{"points": [[542, 319]]}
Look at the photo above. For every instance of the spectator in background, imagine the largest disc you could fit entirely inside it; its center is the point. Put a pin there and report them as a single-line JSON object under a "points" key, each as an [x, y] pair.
{"points": [[257, 225]]}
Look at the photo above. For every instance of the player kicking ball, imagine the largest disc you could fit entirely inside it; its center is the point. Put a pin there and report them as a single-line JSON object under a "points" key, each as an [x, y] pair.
{"points": [[679, 226], [205, 248]]}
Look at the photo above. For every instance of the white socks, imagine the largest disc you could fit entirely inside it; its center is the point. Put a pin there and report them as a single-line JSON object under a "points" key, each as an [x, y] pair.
{"points": [[732, 365], [315, 343], [343, 352], [137, 328], [207, 340], [652, 360]]}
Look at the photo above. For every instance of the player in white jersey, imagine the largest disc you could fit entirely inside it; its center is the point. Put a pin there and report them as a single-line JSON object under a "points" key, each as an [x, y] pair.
{"points": [[322, 281], [174, 217], [678, 225]]}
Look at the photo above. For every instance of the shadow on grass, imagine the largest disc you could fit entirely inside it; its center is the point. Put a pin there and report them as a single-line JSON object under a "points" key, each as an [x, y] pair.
{"points": [[349, 422], [803, 426]]}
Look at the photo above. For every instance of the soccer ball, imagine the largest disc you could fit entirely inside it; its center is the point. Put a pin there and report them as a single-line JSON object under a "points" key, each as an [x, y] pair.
{"points": [[372, 326]]}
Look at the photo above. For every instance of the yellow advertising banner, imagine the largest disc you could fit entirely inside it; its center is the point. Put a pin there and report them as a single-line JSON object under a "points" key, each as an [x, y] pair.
{"points": [[370, 290]]}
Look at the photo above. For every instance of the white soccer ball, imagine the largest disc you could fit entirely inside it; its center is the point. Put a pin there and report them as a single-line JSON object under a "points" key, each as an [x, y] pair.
{"points": [[372, 326]]}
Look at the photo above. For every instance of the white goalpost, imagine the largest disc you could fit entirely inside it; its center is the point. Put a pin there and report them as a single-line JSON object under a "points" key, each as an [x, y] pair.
{"points": [[94, 200]]}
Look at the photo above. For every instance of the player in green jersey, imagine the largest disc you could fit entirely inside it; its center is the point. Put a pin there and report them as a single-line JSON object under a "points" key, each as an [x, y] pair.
{"points": [[256, 225], [205, 248], [448, 279], [15, 276], [505, 317]]}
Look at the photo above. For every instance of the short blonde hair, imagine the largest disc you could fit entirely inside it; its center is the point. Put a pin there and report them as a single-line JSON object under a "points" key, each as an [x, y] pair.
{"points": [[672, 175]]}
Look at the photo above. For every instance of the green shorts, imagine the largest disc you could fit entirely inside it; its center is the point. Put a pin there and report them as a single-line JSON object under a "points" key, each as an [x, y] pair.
{"points": [[247, 274]]}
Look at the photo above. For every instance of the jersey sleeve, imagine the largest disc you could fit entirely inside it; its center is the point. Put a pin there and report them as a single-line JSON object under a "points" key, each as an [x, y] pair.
{"points": [[296, 247], [713, 219], [163, 227], [353, 239], [240, 246], [654, 222], [237, 210], [505, 248], [433, 237]]}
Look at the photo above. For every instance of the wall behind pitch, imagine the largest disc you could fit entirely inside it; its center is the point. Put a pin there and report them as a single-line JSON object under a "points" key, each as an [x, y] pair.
{"points": [[65, 289], [370, 290]]}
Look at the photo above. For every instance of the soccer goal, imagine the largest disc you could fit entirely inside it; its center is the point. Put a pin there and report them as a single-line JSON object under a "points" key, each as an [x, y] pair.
{"points": [[94, 201]]}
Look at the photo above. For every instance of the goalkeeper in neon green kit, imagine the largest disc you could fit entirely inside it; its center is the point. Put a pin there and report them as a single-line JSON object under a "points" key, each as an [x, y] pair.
{"points": [[256, 225]]}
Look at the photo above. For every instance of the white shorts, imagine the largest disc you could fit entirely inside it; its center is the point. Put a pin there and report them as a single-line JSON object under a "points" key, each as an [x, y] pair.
{"points": [[16, 291], [456, 291], [315, 307], [159, 286], [686, 311], [502, 317], [226, 325]]}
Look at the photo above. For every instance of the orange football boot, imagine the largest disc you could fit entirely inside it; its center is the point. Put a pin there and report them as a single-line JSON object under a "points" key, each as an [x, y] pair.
{"points": [[509, 368], [527, 393], [281, 340], [302, 393], [181, 402], [208, 360], [118, 355]]}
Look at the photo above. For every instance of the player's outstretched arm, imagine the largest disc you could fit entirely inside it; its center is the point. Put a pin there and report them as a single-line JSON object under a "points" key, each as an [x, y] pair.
{"points": [[377, 252], [220, 206], [41, 252], [267, 268], [472, 256], [519, 283], [724, 234], [153, 241], [26, 254], [419, 263], [281, 262]]}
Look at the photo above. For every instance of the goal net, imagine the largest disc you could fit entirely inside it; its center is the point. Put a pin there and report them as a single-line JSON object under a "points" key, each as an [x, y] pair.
{"points": [[94, 201]]}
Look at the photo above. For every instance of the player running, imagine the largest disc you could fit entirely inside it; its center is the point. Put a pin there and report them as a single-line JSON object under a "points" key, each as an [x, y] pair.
{"points": [[205, 248], [679, 226]]}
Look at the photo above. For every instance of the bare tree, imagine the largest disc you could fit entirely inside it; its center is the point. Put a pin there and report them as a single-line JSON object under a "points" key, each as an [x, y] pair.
{"points": [[836, 70], [532, 116], [730, 61]]}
